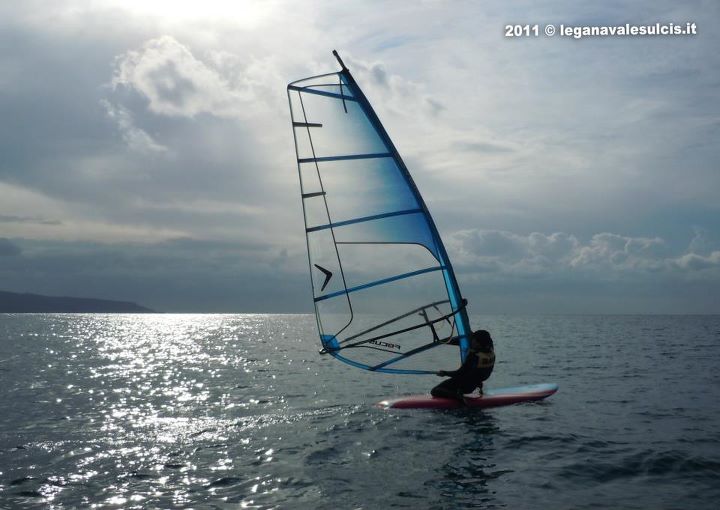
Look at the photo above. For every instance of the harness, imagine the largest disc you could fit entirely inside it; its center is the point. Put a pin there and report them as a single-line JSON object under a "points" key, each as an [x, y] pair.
{"points": [[485, 359]]}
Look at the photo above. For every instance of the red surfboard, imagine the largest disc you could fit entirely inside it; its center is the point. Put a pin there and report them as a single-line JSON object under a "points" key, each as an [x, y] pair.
{"points": [[491, 398]]}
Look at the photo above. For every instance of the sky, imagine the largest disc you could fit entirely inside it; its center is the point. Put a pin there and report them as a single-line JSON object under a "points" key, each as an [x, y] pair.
{"points": [[147, 153]]}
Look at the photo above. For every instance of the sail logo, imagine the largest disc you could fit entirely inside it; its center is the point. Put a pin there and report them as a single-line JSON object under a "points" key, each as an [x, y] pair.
{"points": [[385, 344], [328, 275]]}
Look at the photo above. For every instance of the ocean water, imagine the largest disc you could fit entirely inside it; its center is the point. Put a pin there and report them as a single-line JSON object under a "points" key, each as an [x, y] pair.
{"points": [[231, 411]]}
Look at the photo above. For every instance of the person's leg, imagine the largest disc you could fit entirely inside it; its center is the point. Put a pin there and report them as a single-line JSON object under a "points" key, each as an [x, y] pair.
{"points": [[447, 389], [470, 390], [484, 375]]}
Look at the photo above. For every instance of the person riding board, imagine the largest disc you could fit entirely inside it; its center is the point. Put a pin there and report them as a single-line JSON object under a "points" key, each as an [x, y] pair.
{"points": [[476, 368]]}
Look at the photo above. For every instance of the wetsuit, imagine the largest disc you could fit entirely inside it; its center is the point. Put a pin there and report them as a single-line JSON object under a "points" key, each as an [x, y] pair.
{"points": [[477, 368]]}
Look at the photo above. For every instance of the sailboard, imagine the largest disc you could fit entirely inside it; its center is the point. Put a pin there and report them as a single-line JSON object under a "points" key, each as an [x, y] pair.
{"points": [[385, 294], [496, 397]]}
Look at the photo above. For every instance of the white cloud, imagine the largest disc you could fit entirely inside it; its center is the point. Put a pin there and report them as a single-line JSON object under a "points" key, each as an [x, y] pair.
{"points": [[398, 95], [618, 252], [176, 83], [695, 262], [136, 139], [28, 214], [507, 252], [605, 255]]}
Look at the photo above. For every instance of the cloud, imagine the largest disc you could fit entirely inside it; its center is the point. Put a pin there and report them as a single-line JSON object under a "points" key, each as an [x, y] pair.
{"points": [[700, 242], [510, 253], [400, 96], [38, 216], [175, 275], [560, 255], [137, 139], [176, 83], [4, 218], [482, 147], [492, 243], [8, 249], [695, 262], [93, 162], [552, 160], [614, 251]]}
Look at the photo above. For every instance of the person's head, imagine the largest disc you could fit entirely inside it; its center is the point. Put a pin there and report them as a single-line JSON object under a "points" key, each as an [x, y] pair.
{"points": [[480, 340]]}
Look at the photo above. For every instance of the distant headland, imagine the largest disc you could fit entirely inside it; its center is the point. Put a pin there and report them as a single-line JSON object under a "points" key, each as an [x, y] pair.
{"points": [[13, 302]]}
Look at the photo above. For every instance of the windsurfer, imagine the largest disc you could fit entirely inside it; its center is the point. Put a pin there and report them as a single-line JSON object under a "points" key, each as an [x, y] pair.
{"points": [[476, 368]]}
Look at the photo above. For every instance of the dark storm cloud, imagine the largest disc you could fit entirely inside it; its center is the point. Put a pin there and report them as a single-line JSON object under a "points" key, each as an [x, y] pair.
{"points": [[178, 275], [5, 218]]}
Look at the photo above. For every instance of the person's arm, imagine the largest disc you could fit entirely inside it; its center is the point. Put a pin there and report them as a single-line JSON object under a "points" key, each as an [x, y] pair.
{"points": [[469, 363], [453, 341]]}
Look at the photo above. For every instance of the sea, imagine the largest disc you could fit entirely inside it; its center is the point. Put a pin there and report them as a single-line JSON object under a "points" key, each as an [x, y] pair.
{"points": [[240, 411]]}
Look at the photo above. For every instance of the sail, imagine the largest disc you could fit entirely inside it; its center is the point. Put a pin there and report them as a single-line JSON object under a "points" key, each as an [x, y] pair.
{"points": [[385, 294]]}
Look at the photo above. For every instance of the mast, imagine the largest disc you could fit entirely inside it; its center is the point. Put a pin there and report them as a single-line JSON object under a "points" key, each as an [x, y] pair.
{"points": [[342, 64]]}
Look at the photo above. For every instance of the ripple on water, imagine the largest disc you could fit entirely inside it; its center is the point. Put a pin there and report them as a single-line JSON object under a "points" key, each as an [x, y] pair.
{"points": [[661, 464]]}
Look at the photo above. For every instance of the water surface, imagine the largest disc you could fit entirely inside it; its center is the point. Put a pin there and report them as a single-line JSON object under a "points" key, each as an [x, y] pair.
{"points": [[226, 411]]}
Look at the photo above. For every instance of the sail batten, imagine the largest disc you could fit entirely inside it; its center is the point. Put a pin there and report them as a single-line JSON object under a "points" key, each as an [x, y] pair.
{"points": [[362, 220], [344, 157], [316, 194], [384, 290], [380, 282], [321, 93]]}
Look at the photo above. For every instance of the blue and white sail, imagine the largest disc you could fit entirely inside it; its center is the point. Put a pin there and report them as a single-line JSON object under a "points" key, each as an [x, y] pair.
{"points": [[385, 294]]}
